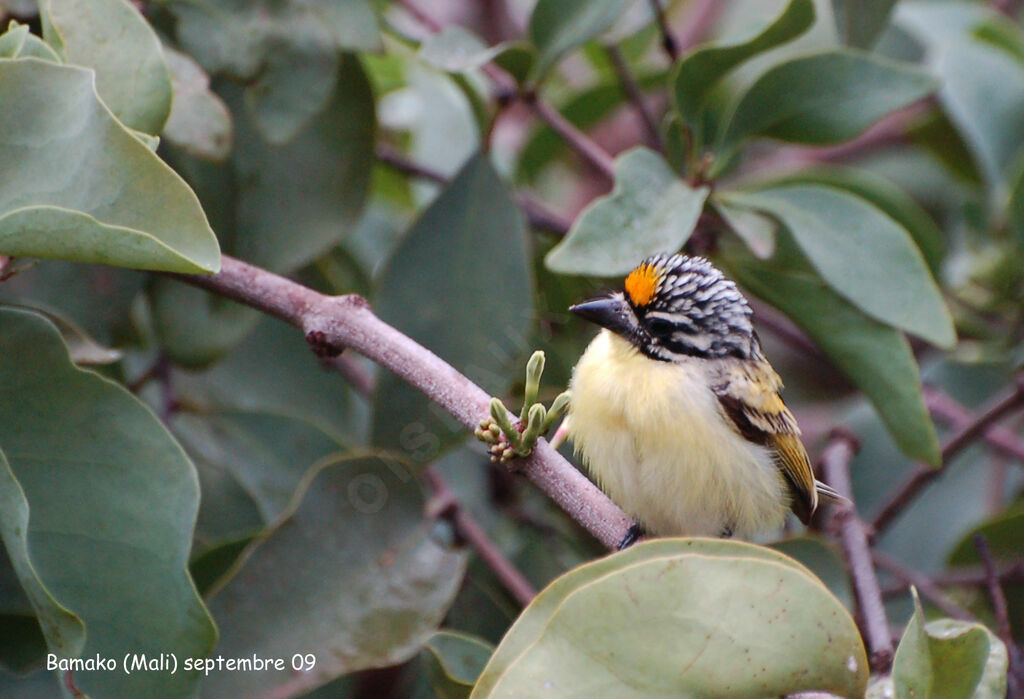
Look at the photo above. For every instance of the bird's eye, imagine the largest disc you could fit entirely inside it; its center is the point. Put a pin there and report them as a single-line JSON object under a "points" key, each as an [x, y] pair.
{"points": [[659, 327]]}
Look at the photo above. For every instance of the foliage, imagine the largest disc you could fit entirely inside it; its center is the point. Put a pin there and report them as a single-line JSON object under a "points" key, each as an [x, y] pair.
{"points": [[181, 477]]}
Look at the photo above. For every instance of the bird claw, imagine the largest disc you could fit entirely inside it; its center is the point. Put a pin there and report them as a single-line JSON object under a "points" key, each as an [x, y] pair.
{"points": [[508, 441]]}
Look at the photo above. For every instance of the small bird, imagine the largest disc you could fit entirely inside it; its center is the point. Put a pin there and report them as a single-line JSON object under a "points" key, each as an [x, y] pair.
{"points": [[676, 412]]}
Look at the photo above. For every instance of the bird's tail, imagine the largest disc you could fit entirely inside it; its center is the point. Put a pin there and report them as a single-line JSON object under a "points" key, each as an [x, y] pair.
{"points": [[828, 495]]}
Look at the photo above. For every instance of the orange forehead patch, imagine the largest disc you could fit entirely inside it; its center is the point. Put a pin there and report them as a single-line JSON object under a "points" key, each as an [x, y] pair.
{"points": [[642, 283]]}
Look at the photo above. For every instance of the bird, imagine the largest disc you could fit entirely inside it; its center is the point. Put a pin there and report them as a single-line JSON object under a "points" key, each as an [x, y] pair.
{"points": [[675, 411]]}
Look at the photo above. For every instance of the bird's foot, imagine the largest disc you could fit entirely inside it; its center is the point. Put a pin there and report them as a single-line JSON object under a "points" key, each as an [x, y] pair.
{"points": [[507, 440]]}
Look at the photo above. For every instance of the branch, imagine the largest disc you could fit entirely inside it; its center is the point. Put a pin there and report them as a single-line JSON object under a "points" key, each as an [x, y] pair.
{"points": [[928, 588], [537, 212], [995, 593], [594, 154], [636, 98], [924, 475], [854, 538], [469, 529], [338, 322], [1001, 439], [668, 42]]}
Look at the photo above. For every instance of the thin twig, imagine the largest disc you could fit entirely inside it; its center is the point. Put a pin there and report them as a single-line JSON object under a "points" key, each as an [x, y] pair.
{"points": [[635, 97], [969, 577], [923, 475], [854, 539], [594, 154], [928, 588], [945, 407], [998, 599], [668, 42], [470, 530], [336, 322], [540, 216]]}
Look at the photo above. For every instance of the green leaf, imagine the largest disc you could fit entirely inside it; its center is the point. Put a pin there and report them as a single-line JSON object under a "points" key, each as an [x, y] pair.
{"points": [[700, 72], [874, 356], [82, 348], [887, 197], [111, 37], [468, 249], [351, 575], [273, 371], [199, 120], [1015, 206], [196, 328], [825, 97], [982, 86], [559, 26], [286, 51], [752, 227], [649, 210], [863, 254], [17, 42], [948, 658], [517, 59], [455, 49], [861, 22], [80, 187], [453, 662], [113, 499], [297, 200], [1002, 33], [250, 467], [823, 559], [681, 617]]}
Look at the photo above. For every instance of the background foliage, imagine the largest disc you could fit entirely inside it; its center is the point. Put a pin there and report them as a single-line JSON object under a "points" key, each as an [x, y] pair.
{"points": [[180, 474]]}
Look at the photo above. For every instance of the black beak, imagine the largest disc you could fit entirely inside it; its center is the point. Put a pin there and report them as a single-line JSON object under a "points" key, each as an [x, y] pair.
{"points": [[610, 312]]}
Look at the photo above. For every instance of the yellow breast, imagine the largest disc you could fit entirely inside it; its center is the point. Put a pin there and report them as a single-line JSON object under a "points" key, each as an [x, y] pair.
{"points": [[654, 438]]}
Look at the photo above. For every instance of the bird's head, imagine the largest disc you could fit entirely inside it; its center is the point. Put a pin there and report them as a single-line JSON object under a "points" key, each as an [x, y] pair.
{"points": [[674, 306]]}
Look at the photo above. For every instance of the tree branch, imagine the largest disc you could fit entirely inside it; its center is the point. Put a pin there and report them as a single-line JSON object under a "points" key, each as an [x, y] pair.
{"points": [[998, 599], [469, 529], [594, 154], [668, 42], [338, 322], [635, 97], [924, 475], [854, 539], [537, 212], [928, 588], [1001, 439]]}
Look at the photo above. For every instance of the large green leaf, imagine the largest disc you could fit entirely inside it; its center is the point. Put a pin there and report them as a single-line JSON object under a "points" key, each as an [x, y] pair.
{"points": [[824, 97], [663, 618], [874, 356], [865, 255], [459, 283], [350, 575], [649, 210], [887, 197], [948, 658], [114, 39], [273, 371], [297, 200], [286, 51], [559, 26], [113, 501], [78, 186], [699, 73], [860, 22]]}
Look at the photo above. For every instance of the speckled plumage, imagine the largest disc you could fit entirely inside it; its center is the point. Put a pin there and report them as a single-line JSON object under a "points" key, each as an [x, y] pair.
{"points": [[676, 412]]}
